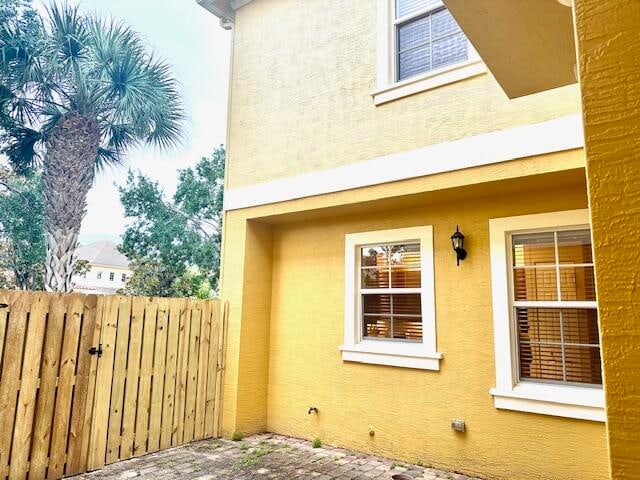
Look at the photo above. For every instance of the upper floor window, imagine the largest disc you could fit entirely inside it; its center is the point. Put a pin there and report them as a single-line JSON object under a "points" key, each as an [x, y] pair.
{"points": [[112, 276], [420, 47], [428, 38], [124, 277], [99, 275]]}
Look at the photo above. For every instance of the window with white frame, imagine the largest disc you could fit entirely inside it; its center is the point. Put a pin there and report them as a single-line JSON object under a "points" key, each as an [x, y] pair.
{"points": [[389, 303], [545, 315], [112, 276], [420, 46], [554, 306], [427, 38]]}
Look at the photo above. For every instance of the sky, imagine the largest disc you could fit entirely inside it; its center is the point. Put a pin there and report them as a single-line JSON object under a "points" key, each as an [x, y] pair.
{"points": [[192, 41]]}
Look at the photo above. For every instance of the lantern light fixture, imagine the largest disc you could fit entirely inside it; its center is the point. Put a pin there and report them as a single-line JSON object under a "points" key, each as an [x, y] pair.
{"points": [[457, 241]]}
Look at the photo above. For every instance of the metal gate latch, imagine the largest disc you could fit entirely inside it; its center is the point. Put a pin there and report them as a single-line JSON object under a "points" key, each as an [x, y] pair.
{"points": [[96, 350]]}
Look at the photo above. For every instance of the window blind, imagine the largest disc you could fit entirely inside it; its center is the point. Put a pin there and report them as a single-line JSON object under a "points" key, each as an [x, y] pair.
{"points": [[390, 282], [407, 7], [428, 42], [556, 341]]}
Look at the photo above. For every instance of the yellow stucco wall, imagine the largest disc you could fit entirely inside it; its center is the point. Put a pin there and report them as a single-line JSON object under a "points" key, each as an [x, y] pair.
{"points": [[410, 409], [247, 257], [608, 38], [303, 72]]}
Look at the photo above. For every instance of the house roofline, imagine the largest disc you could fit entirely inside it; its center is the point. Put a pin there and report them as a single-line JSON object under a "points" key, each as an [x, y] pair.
{"points": [[225, 10]]}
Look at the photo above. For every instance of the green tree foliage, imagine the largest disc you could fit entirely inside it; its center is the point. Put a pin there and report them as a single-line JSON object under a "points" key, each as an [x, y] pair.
{"points": [[22, 241], [174, 246]]}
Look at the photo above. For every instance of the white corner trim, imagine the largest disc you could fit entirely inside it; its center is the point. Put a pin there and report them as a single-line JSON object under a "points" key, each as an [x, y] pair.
{"points": [[585, 403], [420, 355], [556, 135], [429, 81]]}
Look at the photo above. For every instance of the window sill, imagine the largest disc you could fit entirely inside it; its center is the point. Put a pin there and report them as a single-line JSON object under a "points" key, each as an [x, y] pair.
{"points": [[394, 354], [429, 81], [558, 400]]}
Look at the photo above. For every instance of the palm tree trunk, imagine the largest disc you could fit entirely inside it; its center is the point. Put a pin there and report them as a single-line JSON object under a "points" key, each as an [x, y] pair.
{"points": [[68, 172]]}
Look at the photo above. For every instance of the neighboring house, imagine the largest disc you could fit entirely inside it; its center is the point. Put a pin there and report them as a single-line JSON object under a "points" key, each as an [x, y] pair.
{"points": [[108, 268], [362, 134]]}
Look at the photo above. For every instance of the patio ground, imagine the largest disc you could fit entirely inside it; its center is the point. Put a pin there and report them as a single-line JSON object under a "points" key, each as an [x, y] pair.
{"points": [[264, 456]]}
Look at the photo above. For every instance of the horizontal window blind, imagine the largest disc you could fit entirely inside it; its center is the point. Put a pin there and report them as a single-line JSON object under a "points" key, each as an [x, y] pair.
{"points": [[428, 42], [556, 341], [407, 7], [390, 282]]}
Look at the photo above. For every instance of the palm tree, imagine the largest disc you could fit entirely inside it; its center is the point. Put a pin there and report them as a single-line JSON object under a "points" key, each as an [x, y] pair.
{"points": [[76, 93]]}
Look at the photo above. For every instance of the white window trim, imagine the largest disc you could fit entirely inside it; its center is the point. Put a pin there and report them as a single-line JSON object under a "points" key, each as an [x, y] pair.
{"points": [[388, 88], [570, 401], [380, 352]]}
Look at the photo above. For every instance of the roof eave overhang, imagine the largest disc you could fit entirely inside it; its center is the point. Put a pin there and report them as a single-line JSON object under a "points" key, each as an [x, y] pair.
{"points": [[225, 10], [528, 45]]}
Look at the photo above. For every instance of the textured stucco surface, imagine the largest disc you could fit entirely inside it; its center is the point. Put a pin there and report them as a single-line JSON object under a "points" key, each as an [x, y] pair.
{"points": [[303, 72], [247, 288], [247, 267], [410, 410], [608, 36]]}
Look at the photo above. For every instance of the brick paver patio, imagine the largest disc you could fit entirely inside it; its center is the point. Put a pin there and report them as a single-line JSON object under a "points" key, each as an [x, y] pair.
{"points": [[263, 456]]}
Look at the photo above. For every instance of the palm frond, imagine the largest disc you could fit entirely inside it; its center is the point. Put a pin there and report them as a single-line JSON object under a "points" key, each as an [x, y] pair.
{"points": [[21, 149]]}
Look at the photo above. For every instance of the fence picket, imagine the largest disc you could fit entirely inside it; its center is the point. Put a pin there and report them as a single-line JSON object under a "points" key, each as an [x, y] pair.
{"points": [[117, 384], [212, 371], [25, 411], [220, 367], [181, 374], [133, 373], [159, 361], [203, 359], [66, 380], [170, 372], [48, 380], [146, 371], [192, 375], [10, 379]]}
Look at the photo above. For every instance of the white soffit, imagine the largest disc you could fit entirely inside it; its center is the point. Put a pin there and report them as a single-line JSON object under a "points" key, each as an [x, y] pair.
{"points": [[223, 9], [528, 45]]}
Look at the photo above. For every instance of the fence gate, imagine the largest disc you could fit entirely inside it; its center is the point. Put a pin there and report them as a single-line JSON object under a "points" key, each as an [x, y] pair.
{"points": [[152, 379]]}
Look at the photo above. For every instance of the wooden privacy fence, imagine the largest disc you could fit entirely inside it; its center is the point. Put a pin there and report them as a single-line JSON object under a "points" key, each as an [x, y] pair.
{"points": [[88, 380]]}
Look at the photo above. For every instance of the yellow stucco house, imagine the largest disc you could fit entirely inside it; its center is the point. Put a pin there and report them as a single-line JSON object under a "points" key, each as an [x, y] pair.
{"points": [[362, 136]]}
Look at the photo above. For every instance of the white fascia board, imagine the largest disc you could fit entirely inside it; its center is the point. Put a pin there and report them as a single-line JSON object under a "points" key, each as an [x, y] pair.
{"points": [[223, 9], [236, 4], [555, 135]]}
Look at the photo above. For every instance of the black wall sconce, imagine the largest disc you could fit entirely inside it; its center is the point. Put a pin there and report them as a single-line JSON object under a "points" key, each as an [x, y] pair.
{"points": [[457, 240]]}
